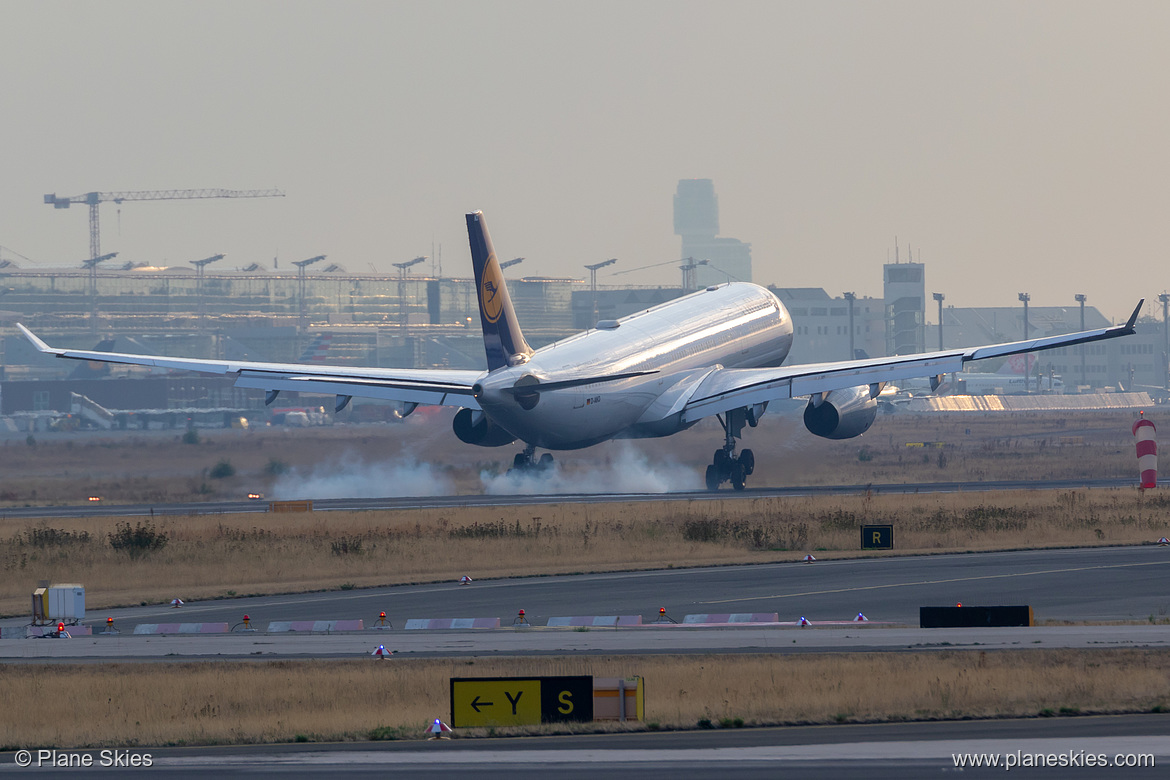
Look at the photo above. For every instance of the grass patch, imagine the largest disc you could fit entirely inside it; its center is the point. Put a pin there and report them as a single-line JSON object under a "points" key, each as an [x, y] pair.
{"points": [[203, 556], [91, 705]]}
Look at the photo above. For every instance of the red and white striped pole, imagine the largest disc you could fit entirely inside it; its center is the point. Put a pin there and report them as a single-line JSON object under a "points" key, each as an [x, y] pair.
{"points": [[1147, 451]]}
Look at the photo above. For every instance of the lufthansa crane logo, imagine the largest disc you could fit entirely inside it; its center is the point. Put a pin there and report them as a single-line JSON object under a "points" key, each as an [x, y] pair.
{"points": [[490, 299]]}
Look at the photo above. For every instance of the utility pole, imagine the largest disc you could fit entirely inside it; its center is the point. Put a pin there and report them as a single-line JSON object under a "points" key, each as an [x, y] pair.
{"points": [[92, 264], [402, 286], [689, 274], [593, 282], [939, 297], [1024, 298], [850, 298], [199, 266], [1165, 298], [1081, 298], [301, 265]]}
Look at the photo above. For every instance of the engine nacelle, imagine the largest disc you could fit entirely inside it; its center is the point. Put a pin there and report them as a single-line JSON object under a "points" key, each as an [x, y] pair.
{"points": [[843, 414], [473, 427]]}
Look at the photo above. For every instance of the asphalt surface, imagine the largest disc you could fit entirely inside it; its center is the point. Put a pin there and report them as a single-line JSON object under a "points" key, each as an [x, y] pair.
{"points": [[1088, 584], [1096, 584], [419, 502], [538, 641], [903, 750]]}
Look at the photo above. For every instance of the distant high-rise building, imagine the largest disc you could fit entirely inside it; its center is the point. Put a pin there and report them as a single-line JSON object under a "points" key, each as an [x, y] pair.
{"points": [[905, 293], [696, 219]]}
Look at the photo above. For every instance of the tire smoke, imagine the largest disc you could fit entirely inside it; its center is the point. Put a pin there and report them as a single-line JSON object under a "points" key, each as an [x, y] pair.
{"points": [[352, 478], [626, 471]]}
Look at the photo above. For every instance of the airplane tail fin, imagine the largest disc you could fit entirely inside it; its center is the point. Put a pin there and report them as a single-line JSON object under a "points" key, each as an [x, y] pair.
{"points": [[91, 369], [316, 349], [502, 339], [1018, 365]]}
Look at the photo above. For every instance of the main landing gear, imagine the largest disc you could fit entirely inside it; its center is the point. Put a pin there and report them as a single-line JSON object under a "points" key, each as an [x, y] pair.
{"points": [[526, 462], [726, 466]]}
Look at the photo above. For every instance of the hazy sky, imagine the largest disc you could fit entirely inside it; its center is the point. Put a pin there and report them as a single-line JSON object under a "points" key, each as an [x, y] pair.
{"points": [[1018, 146]]}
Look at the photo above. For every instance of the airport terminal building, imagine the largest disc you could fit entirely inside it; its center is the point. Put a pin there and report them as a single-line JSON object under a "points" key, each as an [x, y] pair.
{"points": [[324, 312]]}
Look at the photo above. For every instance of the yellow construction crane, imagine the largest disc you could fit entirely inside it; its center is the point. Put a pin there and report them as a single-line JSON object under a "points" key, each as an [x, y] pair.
{"points": [[92, 199]]}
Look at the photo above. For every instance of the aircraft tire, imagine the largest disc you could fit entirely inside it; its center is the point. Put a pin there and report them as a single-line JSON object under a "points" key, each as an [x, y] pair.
{"points": [[546, 462], [722, 463], [738, 476], [713, 478], [748, 459]]}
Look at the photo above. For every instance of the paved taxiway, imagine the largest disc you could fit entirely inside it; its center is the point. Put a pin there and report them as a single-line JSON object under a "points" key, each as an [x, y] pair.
{"points": [[1085, 584], [904, 750], [1095, 584], [538, 641]]}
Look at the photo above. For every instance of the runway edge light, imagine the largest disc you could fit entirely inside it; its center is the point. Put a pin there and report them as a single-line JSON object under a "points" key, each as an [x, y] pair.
{"points": [[438, 729]]}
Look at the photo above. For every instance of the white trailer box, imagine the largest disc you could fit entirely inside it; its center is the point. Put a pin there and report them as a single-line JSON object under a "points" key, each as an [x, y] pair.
{"points": [[66, 603]]}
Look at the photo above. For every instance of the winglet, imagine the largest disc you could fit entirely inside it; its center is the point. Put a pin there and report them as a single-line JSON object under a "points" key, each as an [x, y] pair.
{"points": [[1129, 326], [36, 342]]}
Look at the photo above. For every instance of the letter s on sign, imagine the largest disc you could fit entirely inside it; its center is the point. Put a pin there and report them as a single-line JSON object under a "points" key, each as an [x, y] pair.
{"points": [[566, 705]]}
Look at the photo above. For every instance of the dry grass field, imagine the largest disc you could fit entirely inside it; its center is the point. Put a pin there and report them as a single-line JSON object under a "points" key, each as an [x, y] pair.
{"points": [[274, 701], [209, 556]]}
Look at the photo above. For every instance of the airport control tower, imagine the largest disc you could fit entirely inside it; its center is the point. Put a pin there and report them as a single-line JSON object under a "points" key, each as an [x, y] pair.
{"points": [[696, 219], [905, 294]]}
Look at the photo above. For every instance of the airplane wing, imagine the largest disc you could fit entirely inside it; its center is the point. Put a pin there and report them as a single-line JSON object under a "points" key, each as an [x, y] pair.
{"points": [[439, 387], [735, 388]]}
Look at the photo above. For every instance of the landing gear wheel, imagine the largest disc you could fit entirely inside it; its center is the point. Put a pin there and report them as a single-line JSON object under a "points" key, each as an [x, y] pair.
{"points": [[520, 462], [713, 478], [722, 463], [748, 459], [545, 463], [738, 477]]}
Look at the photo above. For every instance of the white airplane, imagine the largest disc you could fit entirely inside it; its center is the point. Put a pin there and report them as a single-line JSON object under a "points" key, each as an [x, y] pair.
{"points": [[716, 352], [973, 383]]}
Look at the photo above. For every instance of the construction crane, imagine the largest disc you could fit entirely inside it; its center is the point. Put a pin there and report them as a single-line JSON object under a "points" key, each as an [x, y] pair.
{"points": [[92, 199]]}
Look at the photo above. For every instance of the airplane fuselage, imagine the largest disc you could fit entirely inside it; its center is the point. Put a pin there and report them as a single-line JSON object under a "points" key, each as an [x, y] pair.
{"points": [[737, 325]]}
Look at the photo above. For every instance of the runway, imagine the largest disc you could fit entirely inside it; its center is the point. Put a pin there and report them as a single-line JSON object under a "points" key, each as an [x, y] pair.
{"points": [[913, 750], [476, 500]]}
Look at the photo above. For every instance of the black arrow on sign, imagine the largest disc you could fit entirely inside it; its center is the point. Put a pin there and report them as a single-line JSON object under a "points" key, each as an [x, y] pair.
{"points": [[476, 704]]}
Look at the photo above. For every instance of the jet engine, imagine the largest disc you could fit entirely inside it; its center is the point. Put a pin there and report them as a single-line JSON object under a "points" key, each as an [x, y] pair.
{"points": [[473, 427], [841, 414]]}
